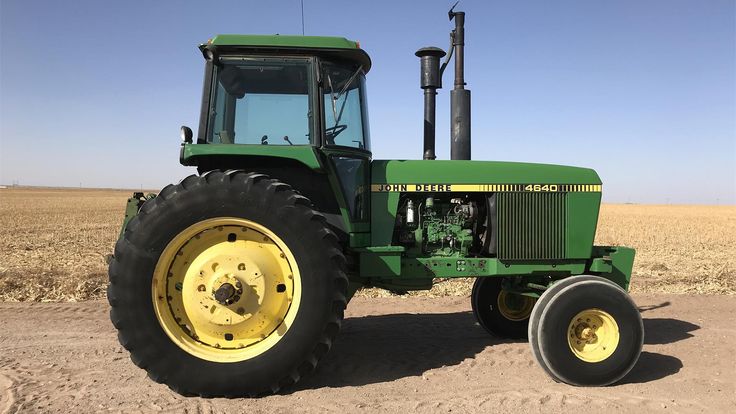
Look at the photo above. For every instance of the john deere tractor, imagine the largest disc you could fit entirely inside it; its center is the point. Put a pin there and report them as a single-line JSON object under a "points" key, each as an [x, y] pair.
{"points": [[234, 281]]}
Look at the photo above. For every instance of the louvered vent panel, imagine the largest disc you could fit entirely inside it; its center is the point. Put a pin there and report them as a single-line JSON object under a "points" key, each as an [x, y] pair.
{"points": [[531, 225]]}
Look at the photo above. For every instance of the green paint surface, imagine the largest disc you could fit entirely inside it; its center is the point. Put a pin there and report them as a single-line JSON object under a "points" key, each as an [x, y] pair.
{"points": [[477, 172], [304, 154], [326, 46], [319, 42], [582, 218], [383, 217], [611, 262]]}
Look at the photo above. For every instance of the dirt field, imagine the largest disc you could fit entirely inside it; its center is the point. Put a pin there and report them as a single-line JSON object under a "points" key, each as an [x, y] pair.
{"points": [[393, 355], [53, 244]]}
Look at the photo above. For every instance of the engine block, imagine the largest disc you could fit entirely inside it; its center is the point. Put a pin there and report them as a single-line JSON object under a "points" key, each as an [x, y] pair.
{"points": [[432, 226]]}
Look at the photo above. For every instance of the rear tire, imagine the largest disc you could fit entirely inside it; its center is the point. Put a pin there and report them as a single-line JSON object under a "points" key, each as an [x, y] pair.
{"points": [[308, 275], [590, 334], [502, 314]]}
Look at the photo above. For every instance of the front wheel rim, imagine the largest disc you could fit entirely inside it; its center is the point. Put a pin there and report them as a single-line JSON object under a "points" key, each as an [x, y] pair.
{"points": [[593, 335], [515, 307], [226, 289]]}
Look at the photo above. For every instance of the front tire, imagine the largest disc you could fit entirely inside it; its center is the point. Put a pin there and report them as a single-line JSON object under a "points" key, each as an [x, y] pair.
{"points": [[501, 313], [227, 284], [540, 305], [590, 334]]}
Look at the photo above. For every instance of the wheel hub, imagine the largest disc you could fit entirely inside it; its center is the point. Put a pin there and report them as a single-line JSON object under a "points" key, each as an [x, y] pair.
{"points": [[514, 307], [593, 335], [583, 332], [226, 294]]}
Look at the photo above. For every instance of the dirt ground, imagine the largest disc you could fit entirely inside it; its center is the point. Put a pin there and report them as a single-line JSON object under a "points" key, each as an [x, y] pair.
{"points": [[393, 355]]}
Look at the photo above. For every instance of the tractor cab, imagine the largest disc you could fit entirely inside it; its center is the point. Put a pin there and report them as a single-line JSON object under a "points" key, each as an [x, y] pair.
{"points": [[302, 99], [262, 95]]}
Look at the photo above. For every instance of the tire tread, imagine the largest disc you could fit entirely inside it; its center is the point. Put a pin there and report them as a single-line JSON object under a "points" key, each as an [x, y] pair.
{"points": [[121, 270]]}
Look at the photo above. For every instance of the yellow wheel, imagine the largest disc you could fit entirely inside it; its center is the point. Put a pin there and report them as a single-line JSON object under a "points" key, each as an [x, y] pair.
{"points": [[515, 307], [590, 332], [593, 335], [499, 312], [226, 289], [227, 284]]}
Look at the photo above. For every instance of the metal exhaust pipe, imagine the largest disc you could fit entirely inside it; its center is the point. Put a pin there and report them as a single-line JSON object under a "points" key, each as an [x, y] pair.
{"points": [[459, 96], [430, 81]]}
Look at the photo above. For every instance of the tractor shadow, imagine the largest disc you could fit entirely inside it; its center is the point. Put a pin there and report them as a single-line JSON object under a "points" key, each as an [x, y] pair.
{"points": [[662, 331], [382, 348], [653, 366]]}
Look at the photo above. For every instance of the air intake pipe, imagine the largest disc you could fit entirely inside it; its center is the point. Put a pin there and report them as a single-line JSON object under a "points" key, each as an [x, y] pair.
{"points": [[431, 80]]}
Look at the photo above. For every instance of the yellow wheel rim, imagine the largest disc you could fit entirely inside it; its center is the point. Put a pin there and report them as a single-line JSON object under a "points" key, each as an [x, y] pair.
{"points": [[593, 335], [226, 289], [515, 307]]}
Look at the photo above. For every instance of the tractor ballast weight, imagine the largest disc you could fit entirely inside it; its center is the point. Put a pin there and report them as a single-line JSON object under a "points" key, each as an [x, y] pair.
{"points": [[234, 281]]}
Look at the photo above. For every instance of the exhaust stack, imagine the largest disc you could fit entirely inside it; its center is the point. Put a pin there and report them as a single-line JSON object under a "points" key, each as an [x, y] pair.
{"points": [[431, 80], [459, 96]]}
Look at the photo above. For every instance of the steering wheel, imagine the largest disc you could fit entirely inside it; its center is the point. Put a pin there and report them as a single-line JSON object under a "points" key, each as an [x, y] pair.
{"points": [[332, 132]]}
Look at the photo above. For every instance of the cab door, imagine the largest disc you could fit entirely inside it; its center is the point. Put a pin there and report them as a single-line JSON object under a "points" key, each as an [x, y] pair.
{"points": [[345, 142]]}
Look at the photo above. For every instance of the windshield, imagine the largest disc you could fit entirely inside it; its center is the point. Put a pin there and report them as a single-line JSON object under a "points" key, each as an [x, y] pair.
{"points": [[262, 101], [346, 119]]}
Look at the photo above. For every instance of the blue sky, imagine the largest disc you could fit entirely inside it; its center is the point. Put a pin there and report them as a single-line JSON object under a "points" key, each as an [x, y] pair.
{"points": [[94, 92]]}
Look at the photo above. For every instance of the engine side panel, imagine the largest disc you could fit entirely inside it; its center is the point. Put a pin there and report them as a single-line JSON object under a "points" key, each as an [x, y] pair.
{"points": [[528, 211]]}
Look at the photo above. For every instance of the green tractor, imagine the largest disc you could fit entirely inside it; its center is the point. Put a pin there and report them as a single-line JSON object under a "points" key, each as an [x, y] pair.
{"points": [[234, 281]]}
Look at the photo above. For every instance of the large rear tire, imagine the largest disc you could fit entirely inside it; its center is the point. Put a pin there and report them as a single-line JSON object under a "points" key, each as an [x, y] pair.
{"points": [[227, 284], [501, 313]]}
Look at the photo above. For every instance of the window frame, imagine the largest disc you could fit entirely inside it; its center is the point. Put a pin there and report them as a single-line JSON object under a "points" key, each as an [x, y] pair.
{"points": [[322, 90], [210, 90]]}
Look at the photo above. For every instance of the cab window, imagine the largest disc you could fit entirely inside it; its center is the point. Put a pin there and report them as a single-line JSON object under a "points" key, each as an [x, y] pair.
{"points": [[345, 117], [263, 101]]}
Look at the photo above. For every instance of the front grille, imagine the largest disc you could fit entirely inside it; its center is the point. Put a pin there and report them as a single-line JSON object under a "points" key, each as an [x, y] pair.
{"points": [[531, 225]]}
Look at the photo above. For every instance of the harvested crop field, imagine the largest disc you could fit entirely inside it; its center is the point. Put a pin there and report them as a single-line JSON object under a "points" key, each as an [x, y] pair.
{"points": [[53, 244]]}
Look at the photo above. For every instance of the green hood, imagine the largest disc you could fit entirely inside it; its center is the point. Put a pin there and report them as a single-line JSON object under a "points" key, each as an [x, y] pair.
{"points": [[477, 172]]}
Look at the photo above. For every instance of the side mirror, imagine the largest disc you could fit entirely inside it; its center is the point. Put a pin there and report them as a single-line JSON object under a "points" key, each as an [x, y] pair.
{"points": [[186, 134]]}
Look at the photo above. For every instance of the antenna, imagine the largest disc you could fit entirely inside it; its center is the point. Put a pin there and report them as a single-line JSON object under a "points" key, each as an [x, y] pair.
{"points": [[302, 2]]}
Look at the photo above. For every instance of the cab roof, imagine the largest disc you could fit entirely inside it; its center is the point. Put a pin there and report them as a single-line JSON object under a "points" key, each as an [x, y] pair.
{"points": [[339, 47]]}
